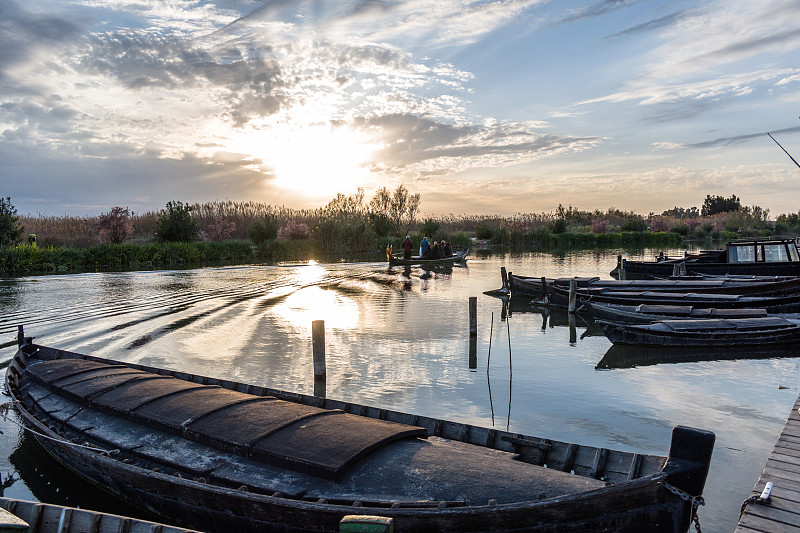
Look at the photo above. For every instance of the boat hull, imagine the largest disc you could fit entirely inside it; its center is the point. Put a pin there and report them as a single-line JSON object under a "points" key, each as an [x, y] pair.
{"points": [[638, 498], [455, 258]]}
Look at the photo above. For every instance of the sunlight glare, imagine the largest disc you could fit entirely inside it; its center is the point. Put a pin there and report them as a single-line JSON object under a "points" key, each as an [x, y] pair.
{"points": [[314, 303], [319, 160]]}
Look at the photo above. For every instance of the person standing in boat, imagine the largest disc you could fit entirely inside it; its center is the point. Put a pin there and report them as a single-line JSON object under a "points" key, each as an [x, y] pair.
{"points": [[407, 248], [423, 246], [448, 250]]}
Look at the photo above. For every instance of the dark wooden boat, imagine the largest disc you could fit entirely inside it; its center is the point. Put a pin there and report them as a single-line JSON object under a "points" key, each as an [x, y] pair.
{"points": [[769, 331], [646, 313], [48, 518], [559, 297], [620, 356], [224, 456], [753, 258], [533, 287], [397, 259]]}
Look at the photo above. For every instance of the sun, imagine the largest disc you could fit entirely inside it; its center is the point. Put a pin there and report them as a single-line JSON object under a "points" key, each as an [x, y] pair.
{"points": [[318, 160]]}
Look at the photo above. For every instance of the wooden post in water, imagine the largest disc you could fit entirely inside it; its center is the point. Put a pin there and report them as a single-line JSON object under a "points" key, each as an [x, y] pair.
{"points": [[573, 291], [504, 278], [473, 316], [622, 274], [544, 286], [318, 347]]}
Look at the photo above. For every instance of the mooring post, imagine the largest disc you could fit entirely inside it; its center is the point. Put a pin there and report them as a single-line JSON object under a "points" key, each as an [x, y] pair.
{"points": [[504, 278], [573, 291], [544, 286], [318, 346], [473, 316], [621, 273], [676, 270]]}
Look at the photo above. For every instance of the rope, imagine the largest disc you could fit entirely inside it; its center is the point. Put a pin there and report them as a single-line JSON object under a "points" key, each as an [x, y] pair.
{"points": [[108, 453]]}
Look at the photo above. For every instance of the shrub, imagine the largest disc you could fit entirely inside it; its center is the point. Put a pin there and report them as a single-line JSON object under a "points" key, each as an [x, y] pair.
{"points": [[680, 229], [634, 224], [264, 230], [293, 231], [175, 224], [557, 226], [483, 231], [219, 230], [115, 226], [600, 225], [659, 224], [429, 227]]}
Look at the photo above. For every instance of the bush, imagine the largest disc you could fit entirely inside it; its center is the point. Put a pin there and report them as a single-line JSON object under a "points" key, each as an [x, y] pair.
{"points": [[429, 227], [557, 226], [634, 224], [483, 231], [600, 225], [219, 230], [115, 226], [264, 230], [175, 224], [293, 231]]}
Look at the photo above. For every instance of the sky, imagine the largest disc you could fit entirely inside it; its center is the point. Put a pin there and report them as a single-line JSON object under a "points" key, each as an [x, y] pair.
{"points": [[481, 107]]}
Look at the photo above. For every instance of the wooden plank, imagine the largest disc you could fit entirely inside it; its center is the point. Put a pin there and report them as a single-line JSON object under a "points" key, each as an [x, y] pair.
{"points": [[782, 513]]}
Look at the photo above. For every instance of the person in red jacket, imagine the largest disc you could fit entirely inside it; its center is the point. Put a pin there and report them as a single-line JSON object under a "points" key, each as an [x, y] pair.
{"points": [[407, 248]]}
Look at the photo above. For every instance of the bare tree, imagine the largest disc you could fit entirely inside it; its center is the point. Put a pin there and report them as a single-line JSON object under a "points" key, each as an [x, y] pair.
{"points": [[400, 208]]}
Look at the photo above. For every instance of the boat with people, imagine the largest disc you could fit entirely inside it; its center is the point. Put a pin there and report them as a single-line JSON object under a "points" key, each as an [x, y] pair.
{"points": [[776, 257], [713, 332], [220, 455], [455, 257], [25, 516]]}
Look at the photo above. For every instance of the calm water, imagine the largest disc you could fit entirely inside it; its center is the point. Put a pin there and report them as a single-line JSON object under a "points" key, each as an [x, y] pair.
{"points": [[401, 342]]}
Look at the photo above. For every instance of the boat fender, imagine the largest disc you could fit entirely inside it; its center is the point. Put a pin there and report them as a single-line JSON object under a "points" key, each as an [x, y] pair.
{"points": [[762, 499], [366, 524]]}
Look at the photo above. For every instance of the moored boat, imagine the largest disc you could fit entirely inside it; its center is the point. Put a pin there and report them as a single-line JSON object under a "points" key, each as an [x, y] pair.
{"points": [[536, 287], [759, 258], [47, 518], [397, 259], [559, 297], [226, 456], [621, 356], [768, 331], [647, 313]]}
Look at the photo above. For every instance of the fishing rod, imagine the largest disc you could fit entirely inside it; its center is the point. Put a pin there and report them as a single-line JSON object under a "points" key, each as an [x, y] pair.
{"points": [[784, 149]]}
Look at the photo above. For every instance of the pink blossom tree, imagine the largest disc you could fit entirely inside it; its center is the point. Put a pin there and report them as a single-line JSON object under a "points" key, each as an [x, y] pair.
{"points": [[116, 226], [219, 230]]}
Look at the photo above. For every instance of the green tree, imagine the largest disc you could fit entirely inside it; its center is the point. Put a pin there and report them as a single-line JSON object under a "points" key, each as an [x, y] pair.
{"points": [[400, 208], [176, 224], [719, 204], [265, 229], [10, 227]]}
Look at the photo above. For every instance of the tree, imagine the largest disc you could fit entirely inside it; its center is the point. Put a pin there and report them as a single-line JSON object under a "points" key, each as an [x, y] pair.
{"points": [[218, 231], [10, 227], [176, 224], [116, 225], [718, 204], [400, 208]]}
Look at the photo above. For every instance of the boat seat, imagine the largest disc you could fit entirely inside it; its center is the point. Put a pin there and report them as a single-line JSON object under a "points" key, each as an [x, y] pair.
{"points": [[312, 440]]}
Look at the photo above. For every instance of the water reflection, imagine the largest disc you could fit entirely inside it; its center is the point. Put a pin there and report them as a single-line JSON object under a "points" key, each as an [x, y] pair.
{"points": [[301, 308], [622, 356]]}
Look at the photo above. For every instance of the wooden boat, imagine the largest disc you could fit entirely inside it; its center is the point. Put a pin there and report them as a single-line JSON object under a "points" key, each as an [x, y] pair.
{"points": [[621, 356], [46, 518], [559, 297], [397, 259], [768, 331], [759, 258], [647, 313], [534, 287], [224, 456]]}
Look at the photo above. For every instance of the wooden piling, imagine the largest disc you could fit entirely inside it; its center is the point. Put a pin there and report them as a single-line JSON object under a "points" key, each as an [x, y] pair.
{"points": [[621, 273], [318, 346], [573, 291], [504, 278], [544, 286], [473, 316]]}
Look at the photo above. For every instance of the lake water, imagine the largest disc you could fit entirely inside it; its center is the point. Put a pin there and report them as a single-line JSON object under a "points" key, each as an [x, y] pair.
{"points": [[401, 341]]}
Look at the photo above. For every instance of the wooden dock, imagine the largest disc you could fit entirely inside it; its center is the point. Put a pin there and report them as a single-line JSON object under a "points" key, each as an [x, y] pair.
{"points": [[781, 513]]}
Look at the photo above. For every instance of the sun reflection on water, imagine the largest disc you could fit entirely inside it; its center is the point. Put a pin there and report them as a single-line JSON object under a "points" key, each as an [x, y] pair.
{"points": [[314, 303]]}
